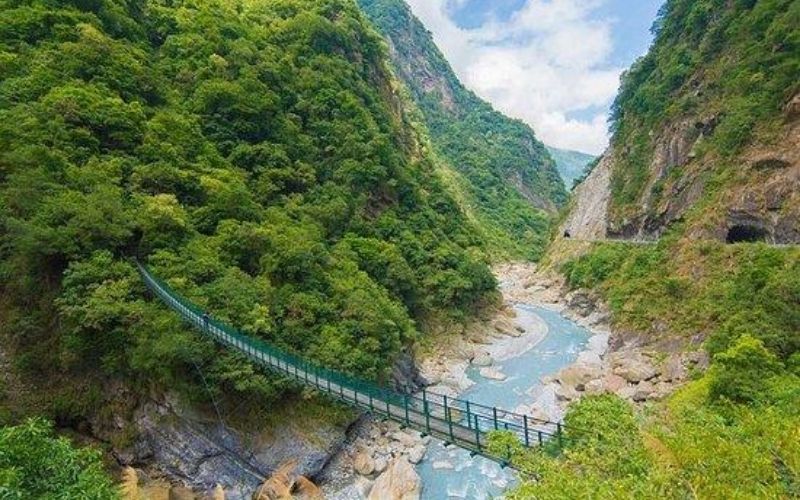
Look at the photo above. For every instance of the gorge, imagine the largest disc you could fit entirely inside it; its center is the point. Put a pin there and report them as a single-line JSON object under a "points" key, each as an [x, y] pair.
{"points": [[313, 173]]}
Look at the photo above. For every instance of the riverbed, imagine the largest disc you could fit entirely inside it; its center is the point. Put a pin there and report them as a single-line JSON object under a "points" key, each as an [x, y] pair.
{"points": [[550, 343]]}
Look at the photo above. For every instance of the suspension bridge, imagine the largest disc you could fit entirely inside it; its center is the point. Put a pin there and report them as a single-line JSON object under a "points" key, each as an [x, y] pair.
{"points": [[455, 421]]}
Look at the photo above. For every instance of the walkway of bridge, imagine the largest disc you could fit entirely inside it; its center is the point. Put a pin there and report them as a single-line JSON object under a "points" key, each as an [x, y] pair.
{"points": [[455, 421]]}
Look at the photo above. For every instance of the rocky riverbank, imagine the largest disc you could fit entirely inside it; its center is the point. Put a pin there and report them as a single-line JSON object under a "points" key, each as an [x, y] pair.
{"points": [[378, 453], [614, 362]]}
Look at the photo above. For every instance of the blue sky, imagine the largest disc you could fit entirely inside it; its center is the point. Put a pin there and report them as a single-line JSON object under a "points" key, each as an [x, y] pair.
{"points": [[552, 63]]}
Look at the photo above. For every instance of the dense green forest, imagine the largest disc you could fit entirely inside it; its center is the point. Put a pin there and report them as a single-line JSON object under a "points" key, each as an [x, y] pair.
{"points": [[506, 175], [733, 431], [255, 155]]}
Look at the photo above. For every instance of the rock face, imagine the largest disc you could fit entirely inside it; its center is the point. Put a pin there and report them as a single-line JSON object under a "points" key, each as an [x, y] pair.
{"points": [[762, 205], [588, 220], [199, 452], [406, 376], [399, 482], [363, 464]]}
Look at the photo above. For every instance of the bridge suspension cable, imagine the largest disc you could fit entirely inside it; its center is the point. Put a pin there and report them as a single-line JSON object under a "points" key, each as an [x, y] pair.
{"points": [[455, 421]]}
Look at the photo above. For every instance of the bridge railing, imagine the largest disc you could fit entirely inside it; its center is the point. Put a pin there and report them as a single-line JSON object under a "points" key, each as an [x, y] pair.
{"points": [[421, 411]]}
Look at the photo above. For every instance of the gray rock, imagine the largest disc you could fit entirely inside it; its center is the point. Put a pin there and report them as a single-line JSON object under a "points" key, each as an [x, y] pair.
{"points": [[482, 359], [674, 371], [626, 392], [416, 454], [643, 392], [566, 393], [598, 344], [635, 369], [406, 376], [201, 453], [578, 374], [581, 303]]}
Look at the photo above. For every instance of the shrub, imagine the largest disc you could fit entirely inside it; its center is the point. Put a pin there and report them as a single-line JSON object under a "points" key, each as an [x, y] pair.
{"points": [[742, 373], [34, 463]]}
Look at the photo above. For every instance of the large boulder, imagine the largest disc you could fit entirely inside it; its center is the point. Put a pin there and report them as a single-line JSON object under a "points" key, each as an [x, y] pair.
{"points": [[578, 375], [363, 463], [399, 482], [580, 302], [643, 392], [483, 359], [416, 454], [674, 371], [635, 369], [614, 383]]}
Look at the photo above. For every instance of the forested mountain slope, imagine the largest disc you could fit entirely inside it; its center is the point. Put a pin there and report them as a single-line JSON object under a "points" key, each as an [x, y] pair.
{"points": [[571, 165], [506, 173], [255, 154], [704, 157], [711, 118]]}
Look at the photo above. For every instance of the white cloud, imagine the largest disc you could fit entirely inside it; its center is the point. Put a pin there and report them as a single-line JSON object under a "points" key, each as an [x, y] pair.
{"points": [[544, 64]]}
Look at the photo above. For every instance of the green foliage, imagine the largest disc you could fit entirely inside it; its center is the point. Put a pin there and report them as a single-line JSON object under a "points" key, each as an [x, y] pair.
{"points": [[34, 463], [507, 175], [727, 291], [730, 434], [573, 166], [744, 372], [253, 154], [683, 449], [737, 61]]}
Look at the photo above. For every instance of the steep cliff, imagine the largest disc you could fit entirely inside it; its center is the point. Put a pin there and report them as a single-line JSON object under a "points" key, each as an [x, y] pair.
{"points": [[703, 163], [707, 127], [503, 170]]}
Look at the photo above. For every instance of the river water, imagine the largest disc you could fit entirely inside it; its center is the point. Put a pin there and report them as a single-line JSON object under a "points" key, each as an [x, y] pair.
{"points": [[451, 472]]}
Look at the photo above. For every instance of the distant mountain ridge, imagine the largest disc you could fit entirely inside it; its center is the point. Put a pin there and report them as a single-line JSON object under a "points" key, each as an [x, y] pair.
{"points": [[571, 165], [504, 172]]}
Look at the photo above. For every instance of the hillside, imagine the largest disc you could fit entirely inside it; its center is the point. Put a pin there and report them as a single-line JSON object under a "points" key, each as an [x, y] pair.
{"points": [[704, 162], [571, 165], [709, 118], [506, 175], [256, 156]]}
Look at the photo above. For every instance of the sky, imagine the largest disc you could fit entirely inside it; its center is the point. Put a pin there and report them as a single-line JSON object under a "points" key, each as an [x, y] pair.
{"points": [[553, 63]]}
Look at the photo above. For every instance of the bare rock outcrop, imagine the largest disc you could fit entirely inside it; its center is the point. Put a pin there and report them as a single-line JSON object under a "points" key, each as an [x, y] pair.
{"points": [[588, 220], [399, 482]]}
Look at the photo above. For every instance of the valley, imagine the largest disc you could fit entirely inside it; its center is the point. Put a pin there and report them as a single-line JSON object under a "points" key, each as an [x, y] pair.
{"points": [[229, 227]]}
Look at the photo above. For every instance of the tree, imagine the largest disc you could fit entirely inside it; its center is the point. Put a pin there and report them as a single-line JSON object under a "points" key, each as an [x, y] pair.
{"points": [[35, 463]]}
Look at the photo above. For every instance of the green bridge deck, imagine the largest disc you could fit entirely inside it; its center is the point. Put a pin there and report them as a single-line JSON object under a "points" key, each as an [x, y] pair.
{"points": [[455, 421]]}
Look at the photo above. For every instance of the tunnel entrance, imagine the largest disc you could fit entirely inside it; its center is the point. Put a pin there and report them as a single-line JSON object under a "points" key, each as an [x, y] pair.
{"points": [[746, 233]]}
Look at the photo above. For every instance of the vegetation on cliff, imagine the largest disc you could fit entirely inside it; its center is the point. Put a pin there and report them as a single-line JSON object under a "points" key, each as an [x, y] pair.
{"points": [[727, 67], [507, 176], [34, 463], [254, 154]]}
